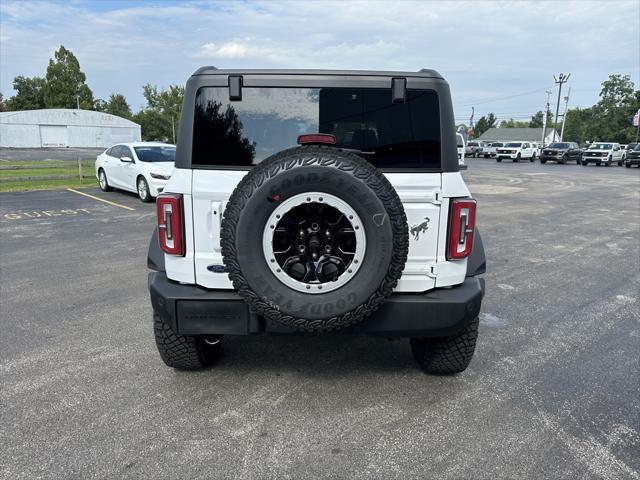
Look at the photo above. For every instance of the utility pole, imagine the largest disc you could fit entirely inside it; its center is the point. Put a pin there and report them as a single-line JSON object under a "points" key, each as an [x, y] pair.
{"points": [[566, 109], [560, 80], [78, 101], [544, 119]]}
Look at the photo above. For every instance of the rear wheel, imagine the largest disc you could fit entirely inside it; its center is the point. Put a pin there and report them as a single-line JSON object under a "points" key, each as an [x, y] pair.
{"points": [[143, 190], [543, 161], [184, 352], [446, 355], [498, 159], [102, 181], [584, 164]]}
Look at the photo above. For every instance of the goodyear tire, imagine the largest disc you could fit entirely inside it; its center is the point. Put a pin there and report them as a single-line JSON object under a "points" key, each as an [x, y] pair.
{"points": [[305, 187]]}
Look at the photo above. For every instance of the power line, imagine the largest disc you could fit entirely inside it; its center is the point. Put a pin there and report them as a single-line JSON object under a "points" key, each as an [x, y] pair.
{"points": [[496, 99]]}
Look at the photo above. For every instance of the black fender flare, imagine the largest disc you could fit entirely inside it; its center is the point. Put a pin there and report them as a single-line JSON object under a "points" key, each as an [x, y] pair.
{"points": [[155, 256], [476, 262]]}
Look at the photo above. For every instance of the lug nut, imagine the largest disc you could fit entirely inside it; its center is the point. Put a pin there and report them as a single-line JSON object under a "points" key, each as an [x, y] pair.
{"points": [[315, 227], [301, 248], [327, 248], [327, 234], [301, 232], [314, 255]]}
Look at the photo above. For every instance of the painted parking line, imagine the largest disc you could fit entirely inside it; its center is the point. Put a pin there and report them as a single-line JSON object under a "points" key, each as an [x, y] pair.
{"points": [[101, 199]]}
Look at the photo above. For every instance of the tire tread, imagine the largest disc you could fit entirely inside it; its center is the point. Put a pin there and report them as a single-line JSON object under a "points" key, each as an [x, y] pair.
{"points": [[447, 355]]}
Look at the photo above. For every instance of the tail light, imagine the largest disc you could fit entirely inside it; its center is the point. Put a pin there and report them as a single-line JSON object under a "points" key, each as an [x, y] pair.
{"points": [[317, 138], [170, 226], [462, 222]]}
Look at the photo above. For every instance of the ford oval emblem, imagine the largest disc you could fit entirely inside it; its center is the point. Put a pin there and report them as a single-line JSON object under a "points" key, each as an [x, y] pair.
{"points": [[216, 268]]}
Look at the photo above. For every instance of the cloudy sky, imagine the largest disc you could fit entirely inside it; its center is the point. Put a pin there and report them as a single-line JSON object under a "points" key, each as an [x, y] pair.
{"points": [[498, 56]]}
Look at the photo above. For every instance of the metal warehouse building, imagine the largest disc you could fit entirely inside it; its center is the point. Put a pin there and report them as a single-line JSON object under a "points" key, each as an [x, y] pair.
{"points": [[58, 127]]}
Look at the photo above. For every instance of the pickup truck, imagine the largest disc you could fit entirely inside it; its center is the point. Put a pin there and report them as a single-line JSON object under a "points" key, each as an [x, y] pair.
{"points": [[603, 153], [516, 151]]}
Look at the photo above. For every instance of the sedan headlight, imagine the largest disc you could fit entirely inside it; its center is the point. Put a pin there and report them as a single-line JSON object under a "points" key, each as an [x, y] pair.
{"points": [[160, 176]]}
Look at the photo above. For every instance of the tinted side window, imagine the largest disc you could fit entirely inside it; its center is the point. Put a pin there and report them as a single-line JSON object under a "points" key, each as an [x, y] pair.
{"points": [[116, 151], [268, 120], [126, 152]]}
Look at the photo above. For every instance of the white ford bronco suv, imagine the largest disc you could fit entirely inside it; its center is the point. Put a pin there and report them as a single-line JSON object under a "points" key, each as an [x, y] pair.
{"points": [[316, 201]]}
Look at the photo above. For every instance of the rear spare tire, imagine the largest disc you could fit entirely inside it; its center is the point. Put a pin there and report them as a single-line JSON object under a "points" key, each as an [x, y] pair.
{"points": [[314, 238]]}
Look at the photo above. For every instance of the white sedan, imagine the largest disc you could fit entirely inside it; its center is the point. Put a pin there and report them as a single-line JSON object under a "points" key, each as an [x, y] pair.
{"points": [[142, 167]]}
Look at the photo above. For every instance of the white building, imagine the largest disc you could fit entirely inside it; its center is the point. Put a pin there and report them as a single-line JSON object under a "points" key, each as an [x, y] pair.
{"points": [[58, 127]]}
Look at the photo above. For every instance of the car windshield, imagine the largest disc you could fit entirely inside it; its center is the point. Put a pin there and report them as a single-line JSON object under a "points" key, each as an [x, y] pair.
{"points": [[473, 144], [559, 145], [156, 153], [268, 120], [636, 147], [497, 144], [514, 144], [601, 146]]}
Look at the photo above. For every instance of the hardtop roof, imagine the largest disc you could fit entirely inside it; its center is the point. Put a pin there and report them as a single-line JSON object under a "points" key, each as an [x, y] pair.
{"points": [[423, 73]]}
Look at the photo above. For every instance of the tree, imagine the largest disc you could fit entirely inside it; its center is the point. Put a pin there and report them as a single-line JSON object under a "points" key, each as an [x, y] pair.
{"points": [[613, 112], [537, 120], [117, 105], [30, 94], [3, 104], [99, 105], [578, 125], [484, 124], [511, 123], [159, 119], [65, 83], [152, 125]]}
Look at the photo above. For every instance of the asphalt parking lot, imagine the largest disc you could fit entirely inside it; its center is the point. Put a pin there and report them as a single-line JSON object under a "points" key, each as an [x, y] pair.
{"points": [[552, 392]]}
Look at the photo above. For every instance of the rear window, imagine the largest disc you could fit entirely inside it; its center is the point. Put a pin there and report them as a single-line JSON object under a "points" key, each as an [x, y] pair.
{"points": [[268, 120], [156, 154]]}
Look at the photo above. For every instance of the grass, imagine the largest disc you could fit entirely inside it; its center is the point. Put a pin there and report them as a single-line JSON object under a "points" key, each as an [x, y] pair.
{"points": [[20, 176]]}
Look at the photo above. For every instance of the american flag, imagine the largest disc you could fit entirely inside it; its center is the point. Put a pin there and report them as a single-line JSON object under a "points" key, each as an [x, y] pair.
{"points": [[470, 130]]}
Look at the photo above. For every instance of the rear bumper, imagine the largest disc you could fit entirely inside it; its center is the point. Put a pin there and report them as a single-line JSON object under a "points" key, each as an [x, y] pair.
{"points": [[193, 310]]}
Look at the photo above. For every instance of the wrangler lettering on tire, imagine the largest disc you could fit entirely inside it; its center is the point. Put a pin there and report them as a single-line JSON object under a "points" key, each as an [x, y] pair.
{"points": [[307, 264]]}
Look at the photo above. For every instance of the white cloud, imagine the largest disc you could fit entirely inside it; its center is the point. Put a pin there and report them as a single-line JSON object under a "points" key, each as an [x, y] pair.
{"points": [[226, 50], [484, 49]]}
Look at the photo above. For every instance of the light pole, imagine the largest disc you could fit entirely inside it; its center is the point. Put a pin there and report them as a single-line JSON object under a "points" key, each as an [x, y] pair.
{"points": [[560, 80], [566, 110]]}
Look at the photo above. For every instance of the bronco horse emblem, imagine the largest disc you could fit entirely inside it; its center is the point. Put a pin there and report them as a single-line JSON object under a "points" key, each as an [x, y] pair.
{"points": [[416, 230]]}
